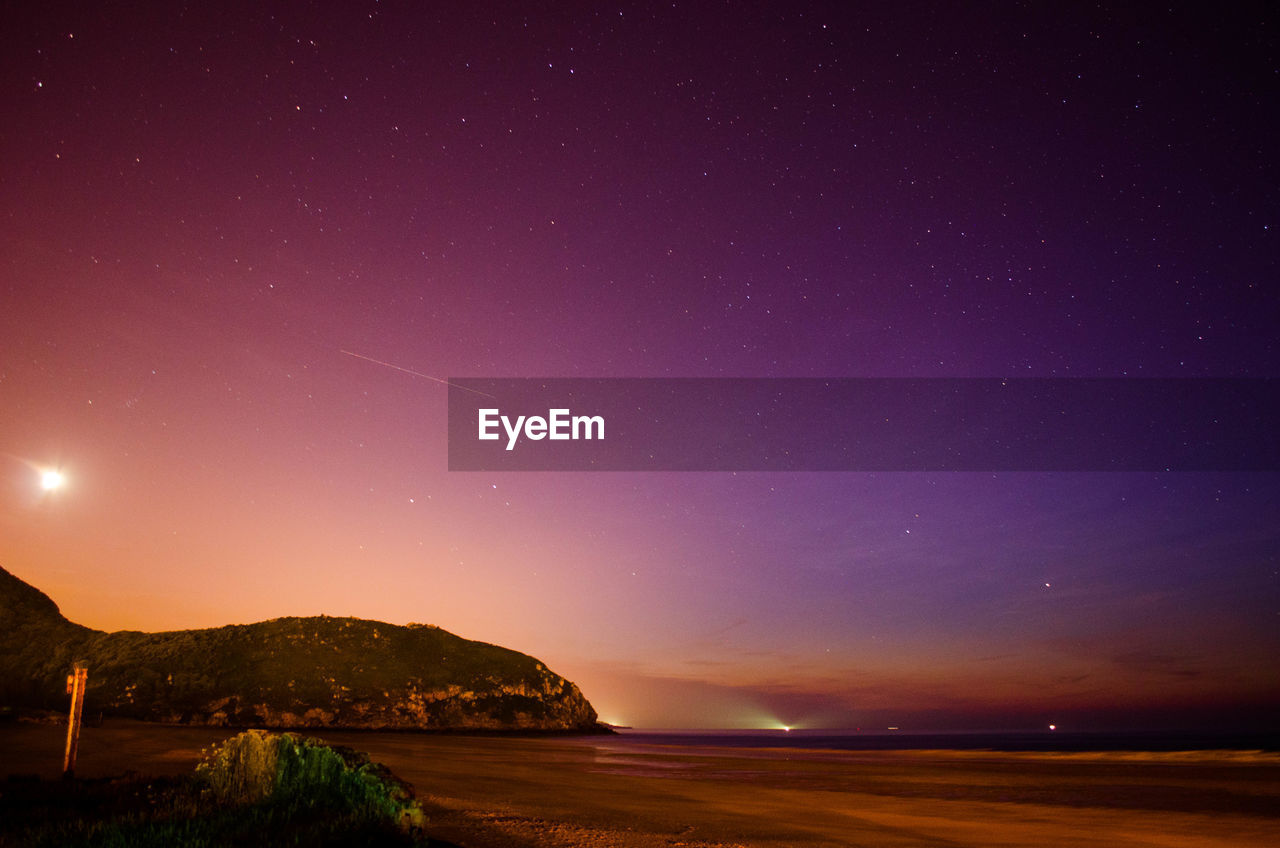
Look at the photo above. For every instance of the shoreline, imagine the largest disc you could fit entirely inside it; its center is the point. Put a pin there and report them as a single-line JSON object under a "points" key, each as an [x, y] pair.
{"points": [[1263, 742]]}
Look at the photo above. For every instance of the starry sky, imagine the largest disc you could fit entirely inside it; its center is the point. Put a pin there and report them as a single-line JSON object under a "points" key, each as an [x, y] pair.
{"points": [[204, 205]]}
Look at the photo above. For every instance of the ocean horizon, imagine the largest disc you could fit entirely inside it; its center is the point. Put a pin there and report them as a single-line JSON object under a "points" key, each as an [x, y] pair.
{"points": [[962, 740]]}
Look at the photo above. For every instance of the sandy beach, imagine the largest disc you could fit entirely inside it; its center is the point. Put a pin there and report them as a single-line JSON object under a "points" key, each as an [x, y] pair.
{"points": [[621, 792]]}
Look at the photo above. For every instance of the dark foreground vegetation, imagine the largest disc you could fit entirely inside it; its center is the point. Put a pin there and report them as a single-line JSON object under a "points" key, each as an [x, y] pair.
{"points": [[255, 789]]}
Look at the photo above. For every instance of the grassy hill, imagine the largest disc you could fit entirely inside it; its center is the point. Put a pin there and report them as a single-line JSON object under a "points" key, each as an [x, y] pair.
{"points": [[287, 672]]}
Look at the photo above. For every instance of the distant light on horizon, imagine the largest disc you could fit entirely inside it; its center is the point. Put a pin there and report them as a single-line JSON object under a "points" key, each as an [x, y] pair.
{"points": [[51, 479]]}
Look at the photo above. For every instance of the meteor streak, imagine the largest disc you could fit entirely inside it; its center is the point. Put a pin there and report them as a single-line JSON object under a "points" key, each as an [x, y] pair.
{"points": [[411, 371]]}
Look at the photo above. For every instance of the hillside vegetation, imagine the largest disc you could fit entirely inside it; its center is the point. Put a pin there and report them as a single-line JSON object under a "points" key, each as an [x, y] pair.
{"points": [[288, 672]]}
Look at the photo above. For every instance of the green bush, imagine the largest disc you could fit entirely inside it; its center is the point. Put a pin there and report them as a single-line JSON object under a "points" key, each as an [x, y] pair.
{"points": [[258, 766], [255, 790]]}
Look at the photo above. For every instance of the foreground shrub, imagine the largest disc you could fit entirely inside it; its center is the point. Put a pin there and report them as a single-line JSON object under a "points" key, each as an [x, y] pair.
{"points": [[257, 766], [255, 789]]}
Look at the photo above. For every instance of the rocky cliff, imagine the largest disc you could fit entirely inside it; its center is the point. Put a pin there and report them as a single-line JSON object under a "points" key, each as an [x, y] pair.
{"points": [[287, 672]]}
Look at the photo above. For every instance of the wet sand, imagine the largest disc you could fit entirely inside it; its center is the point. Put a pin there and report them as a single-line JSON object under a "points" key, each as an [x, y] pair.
{"points": [[620, 792]]}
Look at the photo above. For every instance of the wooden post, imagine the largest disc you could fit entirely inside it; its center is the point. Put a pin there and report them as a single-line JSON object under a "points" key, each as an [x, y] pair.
{"points": [[75, 687]]}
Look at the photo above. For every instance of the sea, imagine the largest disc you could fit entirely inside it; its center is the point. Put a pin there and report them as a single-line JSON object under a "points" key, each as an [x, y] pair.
{"points": [[1037, 741]]}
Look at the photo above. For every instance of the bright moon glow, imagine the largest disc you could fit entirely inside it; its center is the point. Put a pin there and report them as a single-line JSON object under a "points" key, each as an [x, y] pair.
{"points": [[50, 480]]}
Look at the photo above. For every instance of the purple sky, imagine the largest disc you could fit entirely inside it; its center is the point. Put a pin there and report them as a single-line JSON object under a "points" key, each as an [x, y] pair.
{"points": [[203, 208]]}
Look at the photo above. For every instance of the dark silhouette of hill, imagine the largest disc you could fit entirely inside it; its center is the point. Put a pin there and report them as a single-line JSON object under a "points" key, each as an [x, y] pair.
{"points": [[288, 672]]}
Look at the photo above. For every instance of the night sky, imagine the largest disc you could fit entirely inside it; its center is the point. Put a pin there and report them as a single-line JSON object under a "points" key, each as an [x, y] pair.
{"points": [[203, 207]]}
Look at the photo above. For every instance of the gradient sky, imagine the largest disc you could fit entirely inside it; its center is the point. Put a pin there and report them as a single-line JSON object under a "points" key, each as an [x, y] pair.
{"points": [[203, 207]]}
